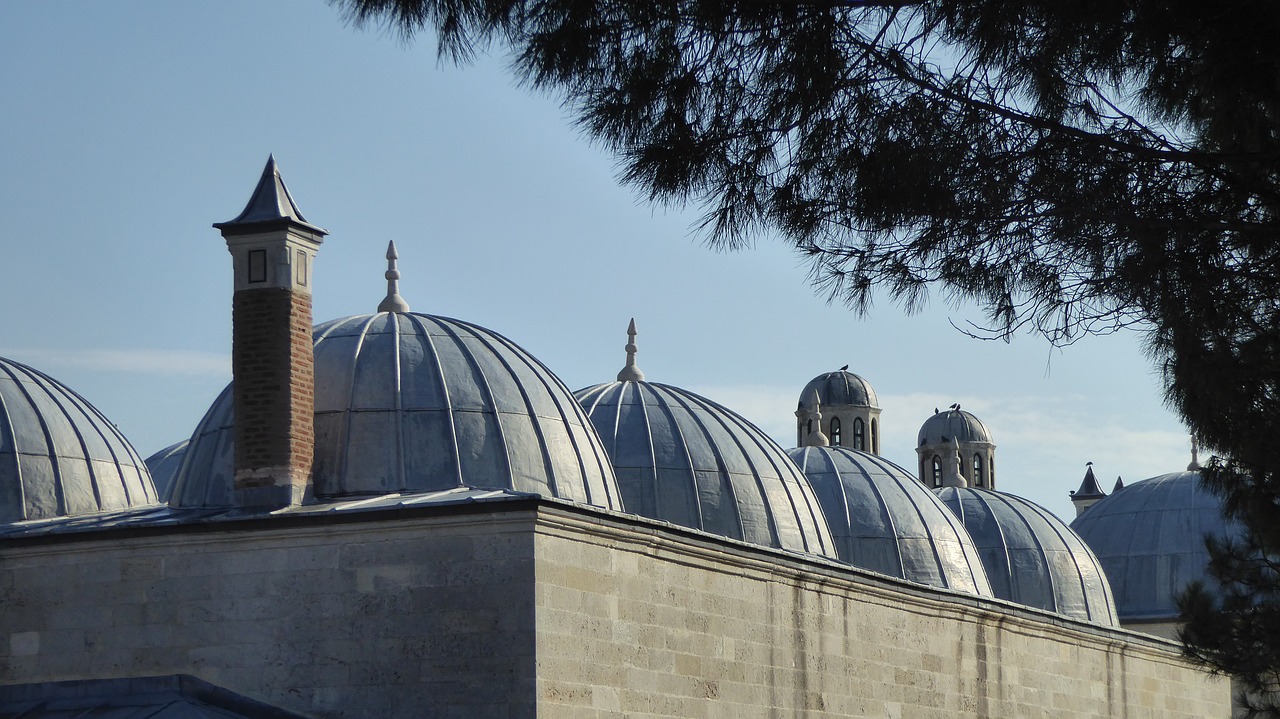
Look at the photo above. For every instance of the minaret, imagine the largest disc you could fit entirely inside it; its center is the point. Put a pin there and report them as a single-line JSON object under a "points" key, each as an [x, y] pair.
{"points": [[1089, 493], [272, 250], [630, 372]]}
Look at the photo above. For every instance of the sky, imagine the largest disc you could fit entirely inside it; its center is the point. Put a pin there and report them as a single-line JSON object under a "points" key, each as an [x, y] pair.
{"points": [[128, 128]]}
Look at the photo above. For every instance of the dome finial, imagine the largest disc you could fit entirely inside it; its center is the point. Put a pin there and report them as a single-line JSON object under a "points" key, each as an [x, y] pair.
{"points": [[631, 373], [816, 438], [393, 302], [952, 475], [1195, 455]]}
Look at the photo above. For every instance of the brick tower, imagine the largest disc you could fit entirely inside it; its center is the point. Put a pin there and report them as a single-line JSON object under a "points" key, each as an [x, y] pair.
{"points": [[272, 249]]}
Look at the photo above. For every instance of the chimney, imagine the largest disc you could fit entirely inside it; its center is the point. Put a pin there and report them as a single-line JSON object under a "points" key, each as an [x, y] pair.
{"points": [[272, 250]]}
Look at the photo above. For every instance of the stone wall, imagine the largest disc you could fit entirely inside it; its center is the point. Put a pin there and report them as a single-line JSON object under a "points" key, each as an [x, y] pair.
{"points": [[527, 608], [406, 618], [634, 624]]}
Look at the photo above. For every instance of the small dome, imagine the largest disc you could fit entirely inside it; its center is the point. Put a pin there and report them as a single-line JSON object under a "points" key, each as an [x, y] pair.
{"points": [[941, 427], [59, 456], [1031, 557], [1149, 537], [408, 402], [164, 465], [839, 388], [684, 459], [883, 519]]}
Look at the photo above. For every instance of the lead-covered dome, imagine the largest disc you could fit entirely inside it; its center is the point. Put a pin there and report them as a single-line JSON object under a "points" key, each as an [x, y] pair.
{"points": [[839, 388], [1149, 536], [955, 423], [409, 402], [59, 456], [884, 520], [1031, 557], [684, 459], [164, 465]]}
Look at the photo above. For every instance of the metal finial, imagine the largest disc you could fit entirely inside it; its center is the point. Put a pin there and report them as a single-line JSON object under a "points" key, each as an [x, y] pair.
{"points": [[816, 438], [631, 373], [393, 302], [1195, 455]]}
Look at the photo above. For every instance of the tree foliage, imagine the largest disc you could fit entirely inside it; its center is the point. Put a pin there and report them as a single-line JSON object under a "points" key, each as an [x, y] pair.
{"points": [[1073, 167]]}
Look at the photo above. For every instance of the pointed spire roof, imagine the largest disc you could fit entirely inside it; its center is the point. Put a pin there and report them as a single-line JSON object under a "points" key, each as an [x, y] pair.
{"points": [[630, 372], [270, 207], [1089, 488], [393, 302], [1119, 485]]}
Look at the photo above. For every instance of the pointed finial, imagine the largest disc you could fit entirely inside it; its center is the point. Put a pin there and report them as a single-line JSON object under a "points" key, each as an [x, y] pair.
{"points": [[816, 438], [1119, 484], [630, 372], [1195, 455], [952, 474], [393, 302]]}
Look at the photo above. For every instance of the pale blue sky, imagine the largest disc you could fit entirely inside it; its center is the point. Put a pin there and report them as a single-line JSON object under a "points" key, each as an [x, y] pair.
{"points": [[128, 127]]}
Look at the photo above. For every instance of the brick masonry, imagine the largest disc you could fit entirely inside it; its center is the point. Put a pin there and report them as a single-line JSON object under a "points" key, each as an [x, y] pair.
{"points": [[274, 398]]}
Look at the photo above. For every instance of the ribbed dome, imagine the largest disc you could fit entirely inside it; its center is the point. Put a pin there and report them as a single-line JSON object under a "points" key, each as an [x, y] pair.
{"points": [[59, 456], [941, 427], [883, 519], [839, 388], [684, 459], [1149, 537], [1031, 557], [164, 466], [410, 402]]}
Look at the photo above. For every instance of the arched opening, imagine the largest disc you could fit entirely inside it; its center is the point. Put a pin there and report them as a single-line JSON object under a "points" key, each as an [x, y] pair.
{"points": [[835, 431], [859, 434], [875, 437], [808, 428], [977, 470], [937, 471]]}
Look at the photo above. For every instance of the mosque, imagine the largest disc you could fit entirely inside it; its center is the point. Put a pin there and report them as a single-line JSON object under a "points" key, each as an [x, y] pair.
{"points": [[403, 515]]}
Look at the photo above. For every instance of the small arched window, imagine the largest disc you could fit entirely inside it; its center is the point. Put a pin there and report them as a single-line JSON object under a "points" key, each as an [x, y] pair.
{"points": [[937, 471], [859, 434], [875, 437], [835, 431], [977, 470], [808, 428], [991, 472]]}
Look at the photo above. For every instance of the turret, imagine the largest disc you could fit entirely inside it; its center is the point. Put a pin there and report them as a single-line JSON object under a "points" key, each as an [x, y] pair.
{"points": [[272, 249], [1089, 492]]}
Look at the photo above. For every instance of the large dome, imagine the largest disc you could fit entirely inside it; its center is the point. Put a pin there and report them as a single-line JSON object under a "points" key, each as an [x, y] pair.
{"points": [[883, 519], [1149, 536], [839, 388], [942, 427], [164, 465], [1031, 557], [684, 459], [59, 456], [409, 402]]}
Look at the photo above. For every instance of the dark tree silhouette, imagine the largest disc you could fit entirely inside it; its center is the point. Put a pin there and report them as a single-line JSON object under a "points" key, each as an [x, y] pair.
{"points": [[1073, 167]]}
